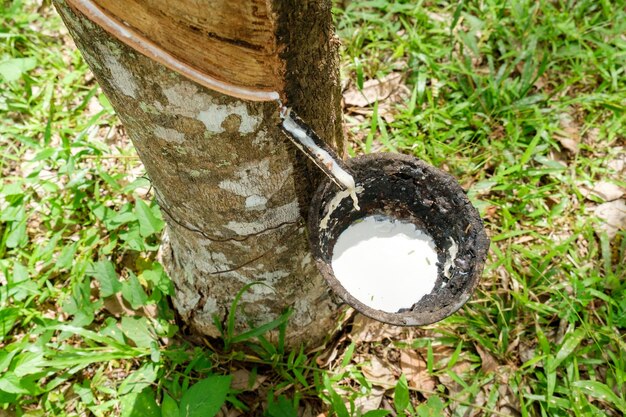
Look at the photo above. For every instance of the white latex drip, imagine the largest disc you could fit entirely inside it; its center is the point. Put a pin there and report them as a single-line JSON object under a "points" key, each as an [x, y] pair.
{"points": [[453, 251], [386, 264], [322, 156], [334, 203]]}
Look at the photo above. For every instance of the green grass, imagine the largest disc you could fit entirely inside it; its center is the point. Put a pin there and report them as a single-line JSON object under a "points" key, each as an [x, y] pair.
{"points": [[494, 88]]}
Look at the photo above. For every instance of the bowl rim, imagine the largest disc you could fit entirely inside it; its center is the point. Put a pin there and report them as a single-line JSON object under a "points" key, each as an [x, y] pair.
{"points": [[408, 318]]}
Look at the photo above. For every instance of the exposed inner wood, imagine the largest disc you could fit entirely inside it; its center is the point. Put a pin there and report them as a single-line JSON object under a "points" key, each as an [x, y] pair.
{"points": [[227, 46]]}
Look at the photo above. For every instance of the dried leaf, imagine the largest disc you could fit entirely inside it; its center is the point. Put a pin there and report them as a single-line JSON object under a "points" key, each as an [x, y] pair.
{"points": [[480, 400], [618, 164], [225, 411], [119, 307], [365, 329], [460, 369], [568, 143], [613, 215], [371, 401], [415, 369], [330, 353], [569, 137], [526, 350], [438, 17], [241, 380], [372, 90], [607, 191], [508, 402], [378, 372], [489, 363]]}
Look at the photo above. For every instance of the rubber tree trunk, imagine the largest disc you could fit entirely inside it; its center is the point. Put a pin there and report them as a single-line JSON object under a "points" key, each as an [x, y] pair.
{"points": [[233, 191]]}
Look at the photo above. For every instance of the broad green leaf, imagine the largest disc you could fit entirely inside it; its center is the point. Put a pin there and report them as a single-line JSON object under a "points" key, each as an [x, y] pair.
{"points": [[12, 69], [206, 397], [11, 384], [20, 273], [96, 337], [28, 363], [80, 305], [7, 356], [142, 404], [431, 408], [568, 346], [139, 182], [159, 279], [169, 407], [13, 213], [149, 223], [336, 402], [601, 392], [377, 413], [338, 406], [132, 238], [65, 259], [12, 189], [401, 395], [7, 398], [84, 392], [281, 408], [44, 154], [111, 329], [347, 356], [133, 292], [120, 219], [17, 236], [137, 329], [139, 380], [104, 272], [8, 317]]}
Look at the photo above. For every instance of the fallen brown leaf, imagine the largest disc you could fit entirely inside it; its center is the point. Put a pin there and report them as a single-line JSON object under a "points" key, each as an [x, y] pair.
{"points": [[372, 90], [568, 143], [508, 403], [618, 165], [416, 371], [613, 216], [331, 353], [228, 412], [241, 380], [365, 329], [460, 369], [377, 371], [488, 362], [569, 136], [480, 400], [607, 191], [118, 307], [370, 401]]}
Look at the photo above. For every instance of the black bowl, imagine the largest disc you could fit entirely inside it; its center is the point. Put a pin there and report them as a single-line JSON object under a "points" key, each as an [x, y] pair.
{"points": [[407, 189]]}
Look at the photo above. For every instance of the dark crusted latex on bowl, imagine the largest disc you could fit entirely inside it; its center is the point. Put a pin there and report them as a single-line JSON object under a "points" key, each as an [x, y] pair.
{"points": [[410, 190]]}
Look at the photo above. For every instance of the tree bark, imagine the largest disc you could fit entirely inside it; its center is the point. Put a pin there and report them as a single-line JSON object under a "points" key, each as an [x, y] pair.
{"points": [[233, 191]]}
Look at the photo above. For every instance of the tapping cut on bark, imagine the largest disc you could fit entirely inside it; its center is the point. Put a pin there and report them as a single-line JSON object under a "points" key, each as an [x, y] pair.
{"points": [[233, 189], [228, 47]]}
